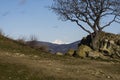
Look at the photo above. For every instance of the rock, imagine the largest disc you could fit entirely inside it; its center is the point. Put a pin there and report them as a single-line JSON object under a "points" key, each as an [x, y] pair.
{"points": [[35, 56], [110, 48], [96, 54], [108, 44], [17, 54], [116, 51], [112, 42], [71, 52], [109, 77], [83, 51], [118, 42], [22, 55], [59, 54]]}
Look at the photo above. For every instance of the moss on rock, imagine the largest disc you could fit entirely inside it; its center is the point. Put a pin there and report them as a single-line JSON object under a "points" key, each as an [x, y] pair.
{"points": [[108, 44], [83, 51], [71, 52]]}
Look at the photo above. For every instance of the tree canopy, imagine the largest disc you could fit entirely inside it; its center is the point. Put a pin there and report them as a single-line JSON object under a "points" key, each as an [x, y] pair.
{"points": [[89, 12]]}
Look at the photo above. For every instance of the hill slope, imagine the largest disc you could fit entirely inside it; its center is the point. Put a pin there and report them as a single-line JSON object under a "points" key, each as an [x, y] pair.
{"points": [[16, 64], [13, 46]]}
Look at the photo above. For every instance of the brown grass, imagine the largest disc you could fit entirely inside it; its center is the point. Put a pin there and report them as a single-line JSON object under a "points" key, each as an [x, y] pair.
{"points": [[65, 69]]}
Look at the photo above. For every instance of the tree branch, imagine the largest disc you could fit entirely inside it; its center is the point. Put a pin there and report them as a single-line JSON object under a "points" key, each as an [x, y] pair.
{"points": [[109, 23], [118, 20], [76, 21]]}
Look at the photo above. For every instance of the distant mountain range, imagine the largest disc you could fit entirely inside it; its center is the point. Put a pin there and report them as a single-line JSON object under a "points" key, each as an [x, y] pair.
{"points": [[56, 47]]}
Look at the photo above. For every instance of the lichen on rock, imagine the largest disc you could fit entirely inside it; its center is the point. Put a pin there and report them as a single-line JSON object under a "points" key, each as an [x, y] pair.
{"points": [[71, 52], [108, 45], [83, 51], [96, 54]]}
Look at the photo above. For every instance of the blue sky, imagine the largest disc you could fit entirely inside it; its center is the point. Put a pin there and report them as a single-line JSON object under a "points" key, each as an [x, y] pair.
{"points": [[23, 18]]}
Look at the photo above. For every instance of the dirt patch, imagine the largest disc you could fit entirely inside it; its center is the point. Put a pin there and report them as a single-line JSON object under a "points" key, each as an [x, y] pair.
{"points": [[67, 69]]}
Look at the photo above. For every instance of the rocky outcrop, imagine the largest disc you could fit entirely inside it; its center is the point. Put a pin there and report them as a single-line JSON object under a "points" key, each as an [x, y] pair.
{"points": [[83, 51], [106, 47], [118, 42], [108, 43], [110, 48], [95, 55]]}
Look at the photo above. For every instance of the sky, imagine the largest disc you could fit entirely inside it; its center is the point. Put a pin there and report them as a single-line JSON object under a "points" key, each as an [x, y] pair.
{"points": [[25, 18]]}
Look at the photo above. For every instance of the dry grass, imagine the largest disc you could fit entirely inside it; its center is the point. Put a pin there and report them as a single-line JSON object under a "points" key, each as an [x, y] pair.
{"points": [[20, 62], [37, 68]]}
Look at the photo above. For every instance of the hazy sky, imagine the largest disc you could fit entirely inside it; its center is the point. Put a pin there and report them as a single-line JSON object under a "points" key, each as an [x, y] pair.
{"points": [[23, 18]]}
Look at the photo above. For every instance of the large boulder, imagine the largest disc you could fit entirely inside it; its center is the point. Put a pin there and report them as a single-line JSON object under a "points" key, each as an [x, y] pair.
{"points": [[118, 42], [83, 51], [95, 55], [71, 52], [106, 47], [110, 48], [116, 51], [108, 44]]}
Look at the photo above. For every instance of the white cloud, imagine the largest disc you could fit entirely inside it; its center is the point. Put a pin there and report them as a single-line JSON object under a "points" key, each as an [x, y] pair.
{"points": [[58, 42]]}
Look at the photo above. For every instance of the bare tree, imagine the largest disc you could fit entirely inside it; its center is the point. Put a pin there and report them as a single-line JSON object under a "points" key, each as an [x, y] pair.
{"points": [[33, 38], [33, 41], [89, 13], [22, 39]]}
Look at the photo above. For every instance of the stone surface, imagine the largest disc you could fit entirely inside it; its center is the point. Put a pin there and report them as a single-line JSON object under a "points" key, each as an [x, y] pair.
{"points": [[96, 54], [108, 44], [71, 52], [83, 51], [118, 42], [59, 54]]}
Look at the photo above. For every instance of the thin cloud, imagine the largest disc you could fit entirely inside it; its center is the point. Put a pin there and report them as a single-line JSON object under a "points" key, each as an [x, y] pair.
{"points": [[22, 2], [55, 26], [6, 13]]}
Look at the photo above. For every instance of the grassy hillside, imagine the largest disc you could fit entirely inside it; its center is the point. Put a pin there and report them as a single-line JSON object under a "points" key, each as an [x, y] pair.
{"points": [[13, 46], [20, 62], [7, 44]]}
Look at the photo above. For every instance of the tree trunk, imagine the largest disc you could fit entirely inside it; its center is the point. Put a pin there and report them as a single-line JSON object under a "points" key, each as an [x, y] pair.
{"points": [[95, 40]]}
